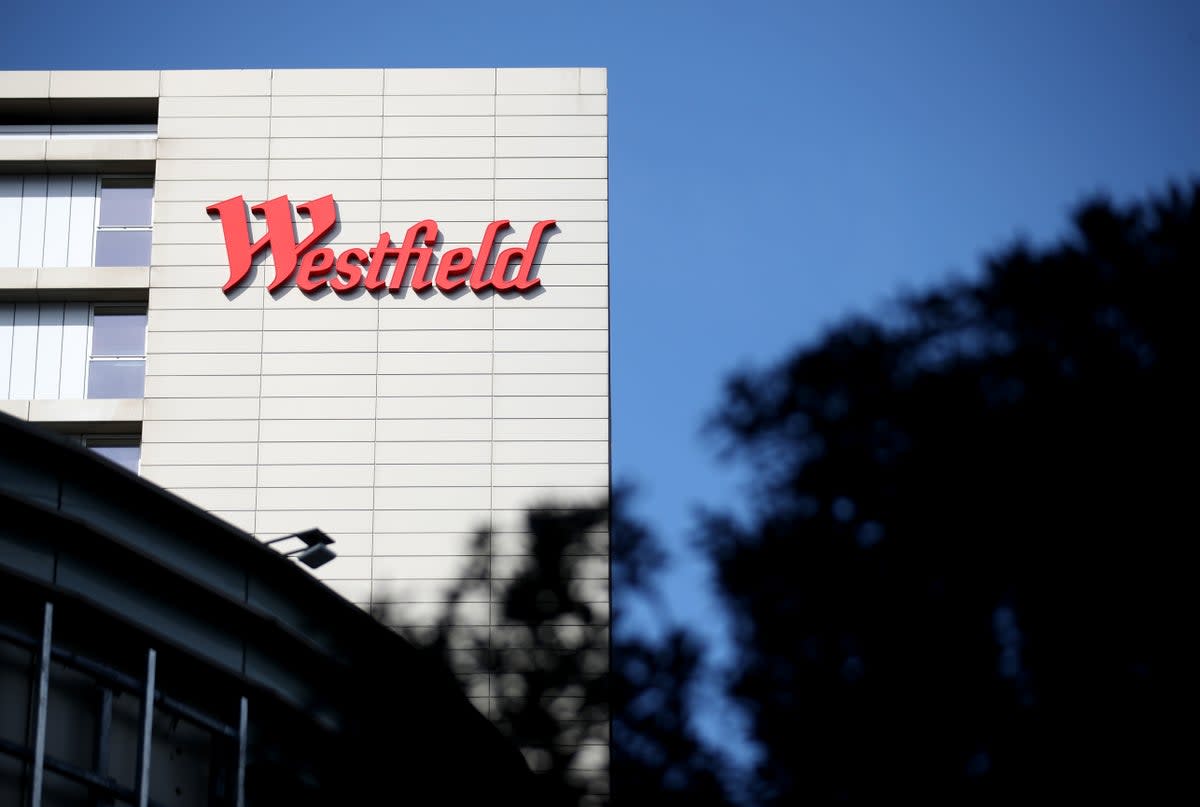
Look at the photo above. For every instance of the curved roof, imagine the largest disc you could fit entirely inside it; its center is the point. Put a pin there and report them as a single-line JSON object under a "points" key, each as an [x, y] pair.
{"points": [[80, 529]]}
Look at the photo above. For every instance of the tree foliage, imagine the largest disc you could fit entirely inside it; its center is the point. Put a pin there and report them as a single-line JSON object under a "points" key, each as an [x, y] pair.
{"points": [[964, 573], [658, 756]]}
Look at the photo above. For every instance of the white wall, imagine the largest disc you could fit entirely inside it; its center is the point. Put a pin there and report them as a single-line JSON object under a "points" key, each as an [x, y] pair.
{"points": [[43, 350], [398, 424], [47, 220]]}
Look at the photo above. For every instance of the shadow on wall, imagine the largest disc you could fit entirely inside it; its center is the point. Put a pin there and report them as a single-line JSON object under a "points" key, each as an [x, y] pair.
{"points": [[539, 665], [542, 666]]}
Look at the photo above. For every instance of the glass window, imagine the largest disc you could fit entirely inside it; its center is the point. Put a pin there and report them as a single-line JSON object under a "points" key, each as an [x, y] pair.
{"points": [[116, 379], [118, 332], [123, 450], [126, 212], [126, 202], [123, 248], [117, 367]]}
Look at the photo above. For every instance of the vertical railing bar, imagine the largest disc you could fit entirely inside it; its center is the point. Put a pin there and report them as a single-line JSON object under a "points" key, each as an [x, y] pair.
{"points": [[243, 727], [143, 770], [43, 694], [103, 733]]}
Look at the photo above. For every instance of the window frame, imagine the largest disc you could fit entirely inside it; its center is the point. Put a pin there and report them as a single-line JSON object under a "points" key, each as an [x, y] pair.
{"points": [[92, 440], [111, 308], [97, 228]]}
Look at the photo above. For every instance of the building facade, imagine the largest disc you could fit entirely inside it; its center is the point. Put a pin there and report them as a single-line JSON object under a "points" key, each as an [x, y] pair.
{"points": [[421, 355]]}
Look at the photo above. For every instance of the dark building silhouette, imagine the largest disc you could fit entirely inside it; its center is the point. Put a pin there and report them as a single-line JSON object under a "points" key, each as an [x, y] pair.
{"points": [[268, 688]]}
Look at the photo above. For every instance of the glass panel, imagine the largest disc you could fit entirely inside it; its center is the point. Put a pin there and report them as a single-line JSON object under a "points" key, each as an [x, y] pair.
{"points": [[126, 456], [119, 334], [126, 204], [123, 248], [116, 379]]}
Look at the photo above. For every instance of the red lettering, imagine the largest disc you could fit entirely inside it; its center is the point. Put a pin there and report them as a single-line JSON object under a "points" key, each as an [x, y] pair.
{"points": [[345, 272], [478, 281], [382, 251], [423, 255], [316, 262], [523, 280], [280, 235], [352, 272], [453, 263]]}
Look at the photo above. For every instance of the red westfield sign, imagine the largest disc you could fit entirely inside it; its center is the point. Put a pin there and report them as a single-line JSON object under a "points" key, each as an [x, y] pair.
{"points": [[319, 266]]}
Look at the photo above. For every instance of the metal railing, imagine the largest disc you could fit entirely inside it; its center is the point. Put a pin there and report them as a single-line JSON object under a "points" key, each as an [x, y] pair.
{"points": [[106, 789]]}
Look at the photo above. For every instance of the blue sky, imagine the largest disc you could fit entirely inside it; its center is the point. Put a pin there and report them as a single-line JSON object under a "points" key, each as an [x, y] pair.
{"points": [[773, 166]]}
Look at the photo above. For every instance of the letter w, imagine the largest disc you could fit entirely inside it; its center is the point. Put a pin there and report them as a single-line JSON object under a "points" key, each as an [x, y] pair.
{"points": [[280, 235]]}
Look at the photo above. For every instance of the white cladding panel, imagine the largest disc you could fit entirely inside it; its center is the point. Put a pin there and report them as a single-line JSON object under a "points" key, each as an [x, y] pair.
{"points": [[49, 350], [82, 227], [73, 370], [43, 350], [47, 220], [24, 352], [11, 192], [58, 221], [6, 347], [33, 221]]}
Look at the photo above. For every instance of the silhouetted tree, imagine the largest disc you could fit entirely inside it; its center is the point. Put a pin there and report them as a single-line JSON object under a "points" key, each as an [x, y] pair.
{"points": [[964, 576], [545, 663], [658, 758]]}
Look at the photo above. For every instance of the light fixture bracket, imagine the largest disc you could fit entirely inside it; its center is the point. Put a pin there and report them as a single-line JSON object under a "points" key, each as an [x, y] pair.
{"points": [[314, 553]]}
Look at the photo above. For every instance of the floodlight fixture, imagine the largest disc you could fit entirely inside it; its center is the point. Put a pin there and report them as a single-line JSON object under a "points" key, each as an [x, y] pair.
{"points": [[314, 553]]}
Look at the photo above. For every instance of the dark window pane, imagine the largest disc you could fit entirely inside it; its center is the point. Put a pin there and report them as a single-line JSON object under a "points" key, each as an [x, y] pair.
{"points": [[127, 456], [119, 334], [116, 379], [125, 206], [123, 248]]}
